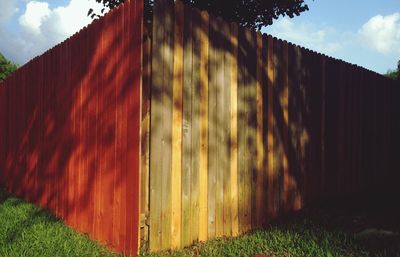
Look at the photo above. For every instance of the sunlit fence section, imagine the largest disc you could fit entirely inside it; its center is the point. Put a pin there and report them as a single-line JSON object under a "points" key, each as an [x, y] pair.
{"points": [[245, 127], [190, 129], [70, 129]]}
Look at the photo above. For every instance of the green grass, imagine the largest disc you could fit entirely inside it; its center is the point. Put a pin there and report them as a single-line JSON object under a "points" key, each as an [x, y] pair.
{"points": [[27, 230], [317, 232], [294, 240]]}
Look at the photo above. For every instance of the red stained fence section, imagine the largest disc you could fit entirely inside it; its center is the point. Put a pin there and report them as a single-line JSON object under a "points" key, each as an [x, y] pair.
{"points": [[70, 129]]}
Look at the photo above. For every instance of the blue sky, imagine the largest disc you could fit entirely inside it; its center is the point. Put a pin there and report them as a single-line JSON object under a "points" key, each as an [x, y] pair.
{"points": [[30, 27], [366, 33]]}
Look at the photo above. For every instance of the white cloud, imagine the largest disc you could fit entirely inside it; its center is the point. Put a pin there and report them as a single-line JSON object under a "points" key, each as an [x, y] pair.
{"points": [[35, 14], [323, 39], [42, 27], [7, 10], [382, 33]]}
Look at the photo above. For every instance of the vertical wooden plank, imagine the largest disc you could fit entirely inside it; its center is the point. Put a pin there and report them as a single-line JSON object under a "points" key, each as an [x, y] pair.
{"points": [[264, 96], [360, 146], [96, 139], [134, 106], [234, 128], [123, 127], [225, 114], [98, 184], [260, 142], [20, 169], [122, 232], [69, 167], [67, 70], [196, 133], [375, 134], [298, 130], [187, 146], [32, 154], [270, 124], [221, 114], [176, 175], [242, 133], [218, 91], [108, 107], [59, 121], [48, 116], [278, 129], [167, 116], [347, 172], [355, 130], [323, 61], [212, 140], [341, 133], [57, 90], [203, 162], [315, 125], [157, 127], [331, 126], [35, 128], [341, 165], [14, 126], [120, 127], [39, 170], [252, 123], [219, 123], [85, 136], [284, 102], [161, 126], [247, 128], [145, 141]]}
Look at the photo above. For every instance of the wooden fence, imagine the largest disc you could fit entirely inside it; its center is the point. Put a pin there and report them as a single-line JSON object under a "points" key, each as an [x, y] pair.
{"points": [[70, 129], [221, 128], [245, 127]]}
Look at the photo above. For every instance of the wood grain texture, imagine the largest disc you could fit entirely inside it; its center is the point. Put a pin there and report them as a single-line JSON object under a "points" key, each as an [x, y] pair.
{"points": [[270, 123], [284, 99], [212, 128], [196, 127], [161, 125], [177, 128], [157, 129], [78, 126], [145, 142], [260, 142], [234, 129], [241, 134], [203, 159], [187, 128], [260, 128], [243, 128], [224, 103]]}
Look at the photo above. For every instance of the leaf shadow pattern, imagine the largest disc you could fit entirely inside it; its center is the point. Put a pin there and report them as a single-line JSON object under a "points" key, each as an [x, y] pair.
{"points": [[70, 120]]}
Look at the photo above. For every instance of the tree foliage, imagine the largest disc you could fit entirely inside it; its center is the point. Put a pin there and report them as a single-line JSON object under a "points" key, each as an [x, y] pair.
{"points": [[394, 74], [6, 67], [249, 13]]}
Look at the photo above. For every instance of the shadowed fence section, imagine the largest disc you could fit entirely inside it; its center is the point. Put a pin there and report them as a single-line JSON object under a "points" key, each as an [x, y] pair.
{"points": [[246, 127], [70, 129]]}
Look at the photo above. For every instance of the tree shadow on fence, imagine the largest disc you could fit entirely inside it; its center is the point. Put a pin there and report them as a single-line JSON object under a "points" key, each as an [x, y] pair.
{"points": [[69, 126]]}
